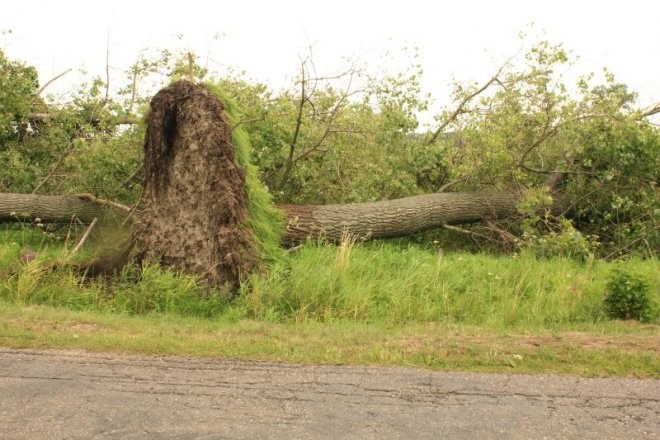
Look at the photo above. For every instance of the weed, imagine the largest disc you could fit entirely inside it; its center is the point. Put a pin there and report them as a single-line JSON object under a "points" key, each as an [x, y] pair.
{"points": [[627, 297], [344, 250]]}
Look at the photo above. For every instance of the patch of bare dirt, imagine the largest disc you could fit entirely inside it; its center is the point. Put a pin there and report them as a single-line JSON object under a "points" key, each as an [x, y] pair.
{"points": [[85, 327], [586, 341]]}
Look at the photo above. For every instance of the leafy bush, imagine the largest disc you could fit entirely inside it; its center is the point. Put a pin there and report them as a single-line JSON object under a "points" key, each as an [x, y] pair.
{"points": [[620, 161], [546, 236], [627, 297], [568, 242]]}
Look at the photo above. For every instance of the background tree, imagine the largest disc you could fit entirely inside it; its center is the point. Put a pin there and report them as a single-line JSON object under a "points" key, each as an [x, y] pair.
{"points": [[529, 130]]}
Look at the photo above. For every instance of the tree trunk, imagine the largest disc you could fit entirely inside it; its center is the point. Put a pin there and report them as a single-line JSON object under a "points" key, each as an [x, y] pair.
{"points": [[389, 218], [399, 217], [48, 209]]}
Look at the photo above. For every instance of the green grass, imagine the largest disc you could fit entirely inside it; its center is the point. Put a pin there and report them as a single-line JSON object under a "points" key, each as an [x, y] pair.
{"points": [[385, 283], [619, 349], [373, 303], [371, 283]]}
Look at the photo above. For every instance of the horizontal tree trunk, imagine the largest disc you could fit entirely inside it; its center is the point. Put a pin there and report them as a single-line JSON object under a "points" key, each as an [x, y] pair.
{"points": [[48, 209], [390, 218], [400, 217]]}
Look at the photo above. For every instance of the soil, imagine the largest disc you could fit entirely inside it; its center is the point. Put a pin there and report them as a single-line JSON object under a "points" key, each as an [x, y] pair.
{"points": [[586, 341]]}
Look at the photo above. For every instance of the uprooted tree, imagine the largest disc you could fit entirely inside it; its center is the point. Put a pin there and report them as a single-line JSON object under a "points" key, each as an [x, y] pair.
{"points": [[204, 210], [196, 211], [196, 206]]}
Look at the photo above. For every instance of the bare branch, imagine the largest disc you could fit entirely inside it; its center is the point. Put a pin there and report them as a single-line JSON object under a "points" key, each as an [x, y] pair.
{"points": [[55, 168], [107, 70], [135, 81], [132, 177], [133, 209], [85, 235], [92, 198], [651, 110], [460, 108], [552, 172], [466, 232], [630, 243], [52, 80], [547, 132], [296, 132], [191, 67], [332, 119], [554, 179], [506, 236]]}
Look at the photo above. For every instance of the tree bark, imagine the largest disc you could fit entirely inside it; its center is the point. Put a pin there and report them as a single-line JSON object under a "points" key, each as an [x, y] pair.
{"points": [[400, 217], [48, 209], [385, 219]]}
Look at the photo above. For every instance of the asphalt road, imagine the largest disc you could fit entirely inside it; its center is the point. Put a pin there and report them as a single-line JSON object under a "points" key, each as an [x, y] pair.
{"points": [[77, 395]]}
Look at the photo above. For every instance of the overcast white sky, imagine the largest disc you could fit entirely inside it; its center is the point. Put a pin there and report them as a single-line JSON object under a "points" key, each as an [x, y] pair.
{"points": [[465, 39]]}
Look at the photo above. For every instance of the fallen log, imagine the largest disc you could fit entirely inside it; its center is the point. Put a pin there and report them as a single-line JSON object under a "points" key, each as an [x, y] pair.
{"points": [[383, 219]]}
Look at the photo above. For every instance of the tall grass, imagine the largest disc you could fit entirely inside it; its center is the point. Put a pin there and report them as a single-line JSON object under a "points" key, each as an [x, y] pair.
{"points": [[372, 283], [384, 283]]}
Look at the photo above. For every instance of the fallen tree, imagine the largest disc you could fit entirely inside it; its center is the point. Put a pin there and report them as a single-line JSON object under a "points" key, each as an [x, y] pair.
{"points": [[199, 198], [384, 219]]}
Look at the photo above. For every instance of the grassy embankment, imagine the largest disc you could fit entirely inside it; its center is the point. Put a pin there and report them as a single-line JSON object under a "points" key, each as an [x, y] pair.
{"points": [[374, 303]]}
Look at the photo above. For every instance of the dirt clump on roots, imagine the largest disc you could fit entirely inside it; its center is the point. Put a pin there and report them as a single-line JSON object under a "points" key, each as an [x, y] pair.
{"points": [[195, 199]]}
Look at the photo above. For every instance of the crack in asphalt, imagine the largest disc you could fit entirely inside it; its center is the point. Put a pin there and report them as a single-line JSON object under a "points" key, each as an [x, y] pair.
{"points": [[411, 395]]}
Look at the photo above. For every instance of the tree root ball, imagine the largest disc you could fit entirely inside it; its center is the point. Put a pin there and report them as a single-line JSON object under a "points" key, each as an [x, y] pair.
{"points": [[195, 199]]}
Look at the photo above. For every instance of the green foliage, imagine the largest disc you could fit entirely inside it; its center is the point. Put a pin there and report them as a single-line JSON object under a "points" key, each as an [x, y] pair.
{"points": [[567, 242], [71, 148], [529, 129], [265, 220], [546, 236], [621, 162], [342, 144], [627, 297]]}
